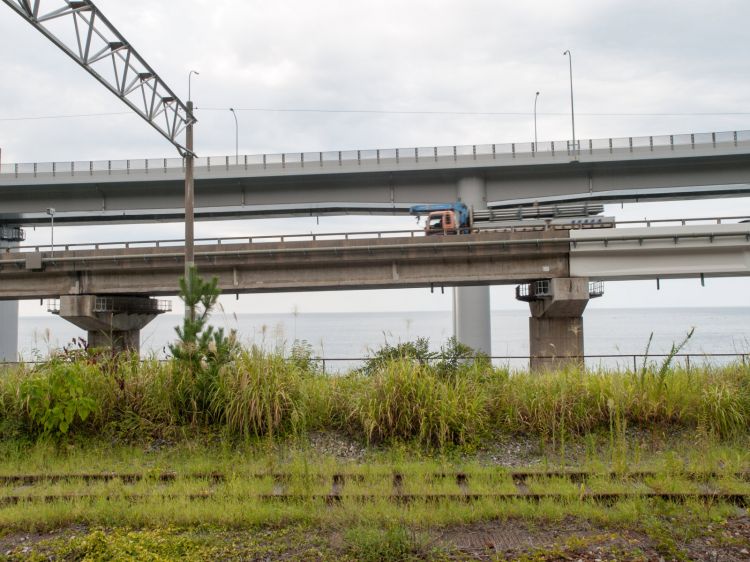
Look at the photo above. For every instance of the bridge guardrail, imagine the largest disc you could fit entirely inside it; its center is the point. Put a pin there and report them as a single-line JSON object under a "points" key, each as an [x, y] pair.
{"points": [[454, 242], [314, 237], [374, 157]]}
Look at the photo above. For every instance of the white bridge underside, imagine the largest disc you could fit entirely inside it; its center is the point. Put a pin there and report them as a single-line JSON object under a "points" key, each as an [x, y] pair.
{"points": [[664, 252]]}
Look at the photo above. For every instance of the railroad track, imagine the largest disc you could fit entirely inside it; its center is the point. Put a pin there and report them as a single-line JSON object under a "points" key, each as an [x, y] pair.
{"points": [[399, 487]]}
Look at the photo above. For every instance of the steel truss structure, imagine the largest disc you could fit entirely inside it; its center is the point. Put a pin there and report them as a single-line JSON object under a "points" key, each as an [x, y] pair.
{"points": [[85, 35]]}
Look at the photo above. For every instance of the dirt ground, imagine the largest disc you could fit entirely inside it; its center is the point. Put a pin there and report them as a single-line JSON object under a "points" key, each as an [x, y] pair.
{"points": [[581, 541], [513, 539]]}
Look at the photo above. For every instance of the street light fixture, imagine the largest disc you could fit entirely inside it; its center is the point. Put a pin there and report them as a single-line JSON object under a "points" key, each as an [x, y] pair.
{"points": [[536, 145], [190, 75], [236, 137], [572, 112]]}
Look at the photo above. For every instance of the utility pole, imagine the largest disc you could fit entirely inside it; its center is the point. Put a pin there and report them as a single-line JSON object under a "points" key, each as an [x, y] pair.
{"points": [[189, 201], [536, 144]]}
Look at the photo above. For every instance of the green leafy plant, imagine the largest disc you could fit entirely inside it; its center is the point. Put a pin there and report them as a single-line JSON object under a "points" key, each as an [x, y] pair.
{"points": [[57, 397]]}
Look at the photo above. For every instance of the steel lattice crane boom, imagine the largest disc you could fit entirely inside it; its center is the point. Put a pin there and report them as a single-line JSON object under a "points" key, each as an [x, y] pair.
{"points": [[85, 35]]}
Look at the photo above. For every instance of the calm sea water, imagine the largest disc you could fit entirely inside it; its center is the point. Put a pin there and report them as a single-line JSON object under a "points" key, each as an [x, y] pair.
{"points": [[354, 335]]}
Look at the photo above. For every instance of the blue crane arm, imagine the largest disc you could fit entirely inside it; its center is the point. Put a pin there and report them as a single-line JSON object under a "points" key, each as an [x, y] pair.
{"points": [[461, 210], [424, 209]]}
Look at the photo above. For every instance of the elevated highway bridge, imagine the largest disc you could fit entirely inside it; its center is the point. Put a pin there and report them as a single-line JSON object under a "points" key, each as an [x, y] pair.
{"points": [[385, 181], [108, 289], [507, 176]]}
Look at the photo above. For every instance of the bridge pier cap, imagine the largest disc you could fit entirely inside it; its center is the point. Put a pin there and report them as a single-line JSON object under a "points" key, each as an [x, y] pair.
{"points": [[471, 305], [111, 321], [556, 323]]}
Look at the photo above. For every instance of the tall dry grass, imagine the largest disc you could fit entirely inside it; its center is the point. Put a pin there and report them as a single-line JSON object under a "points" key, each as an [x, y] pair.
{"points": [[409, 401], [715, 399], [263, 394]]}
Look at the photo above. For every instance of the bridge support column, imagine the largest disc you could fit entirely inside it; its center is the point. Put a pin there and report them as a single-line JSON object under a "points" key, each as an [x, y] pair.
{"points": [[113, 321], [556, 322], [10, 236], [471, 305]]}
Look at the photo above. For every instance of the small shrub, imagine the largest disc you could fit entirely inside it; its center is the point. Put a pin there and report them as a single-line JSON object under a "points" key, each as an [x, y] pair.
{"points": [[456, 358], [417, 351], [56, 397], [302, 357]]}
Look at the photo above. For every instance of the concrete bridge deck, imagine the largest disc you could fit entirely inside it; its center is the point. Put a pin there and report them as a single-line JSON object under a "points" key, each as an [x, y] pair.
{"points": [[485, 258], [379, 181], [479, 259]]}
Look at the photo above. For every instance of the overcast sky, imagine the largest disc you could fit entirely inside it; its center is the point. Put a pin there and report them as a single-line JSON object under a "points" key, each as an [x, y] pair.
{"points": [[639, 68]]}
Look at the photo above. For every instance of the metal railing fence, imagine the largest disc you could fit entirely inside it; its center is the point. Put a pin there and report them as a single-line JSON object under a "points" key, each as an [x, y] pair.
{"points": [[626, 362], [421, 156], [314, 237]]}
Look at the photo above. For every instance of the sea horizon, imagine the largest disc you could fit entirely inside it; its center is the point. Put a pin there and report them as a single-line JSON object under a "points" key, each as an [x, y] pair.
{"points": [[351, 334]]}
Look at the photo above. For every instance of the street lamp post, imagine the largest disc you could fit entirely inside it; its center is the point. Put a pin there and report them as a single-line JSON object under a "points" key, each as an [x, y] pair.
{"points": [[536, 145], [236, 137], [572, 112], [189, 192]]}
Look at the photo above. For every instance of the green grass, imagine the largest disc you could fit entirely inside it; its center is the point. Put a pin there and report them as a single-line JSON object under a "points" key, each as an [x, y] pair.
{"points": [[264, 395]]}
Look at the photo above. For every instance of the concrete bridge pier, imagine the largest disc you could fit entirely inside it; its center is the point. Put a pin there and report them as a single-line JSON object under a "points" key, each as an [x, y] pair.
{"points": [[113, 321], [471, 305], [556, 322], [9, 238]]}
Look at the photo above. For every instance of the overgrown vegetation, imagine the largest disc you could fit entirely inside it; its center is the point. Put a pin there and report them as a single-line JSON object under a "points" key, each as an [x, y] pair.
{"points": [[264, 394]]}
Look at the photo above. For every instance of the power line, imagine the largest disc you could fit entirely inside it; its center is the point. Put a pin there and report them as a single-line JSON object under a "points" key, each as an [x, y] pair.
{"points": [[470, 113], [398, 112], [68, 116]]}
